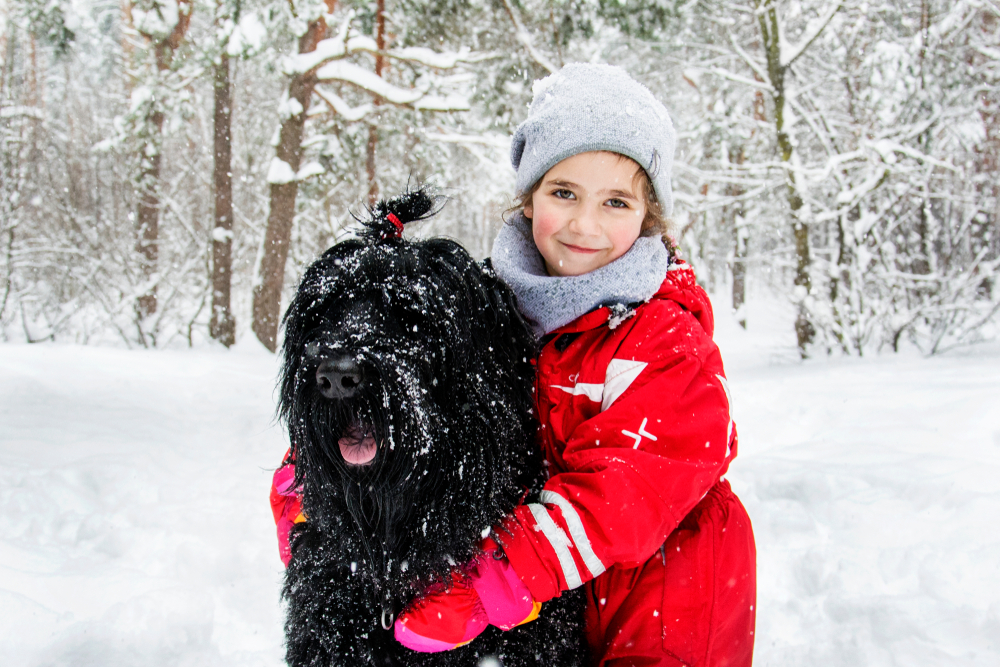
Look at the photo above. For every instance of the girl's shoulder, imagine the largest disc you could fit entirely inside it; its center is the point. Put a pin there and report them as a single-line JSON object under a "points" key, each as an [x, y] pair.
{"points": [[680, 293], [678, 319]]}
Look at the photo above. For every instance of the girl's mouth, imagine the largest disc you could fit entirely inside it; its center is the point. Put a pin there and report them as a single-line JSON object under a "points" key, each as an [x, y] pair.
{"points": [[358, 446], [581, 249]]}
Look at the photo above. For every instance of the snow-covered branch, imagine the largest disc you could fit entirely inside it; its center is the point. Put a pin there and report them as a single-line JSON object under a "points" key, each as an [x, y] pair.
{"points": [[758, 68], [789, 54], [342, 108], [367, 80], [753, 83], [348, 42], [522, 36]]}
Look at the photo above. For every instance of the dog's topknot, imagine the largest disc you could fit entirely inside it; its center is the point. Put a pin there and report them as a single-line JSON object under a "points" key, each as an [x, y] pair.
{"points": [[387, 217]]}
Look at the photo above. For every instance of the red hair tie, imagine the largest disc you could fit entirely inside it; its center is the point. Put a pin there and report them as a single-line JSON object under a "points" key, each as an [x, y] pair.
{"points": [[399, 225]]}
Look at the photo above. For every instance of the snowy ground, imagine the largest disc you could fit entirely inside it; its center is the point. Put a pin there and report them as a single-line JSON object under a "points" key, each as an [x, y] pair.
{"points": [[135, 529]]}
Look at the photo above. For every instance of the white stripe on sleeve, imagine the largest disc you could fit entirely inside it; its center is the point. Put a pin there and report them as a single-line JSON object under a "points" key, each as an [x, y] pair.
{"points": [[576, 531], [560, 544]]}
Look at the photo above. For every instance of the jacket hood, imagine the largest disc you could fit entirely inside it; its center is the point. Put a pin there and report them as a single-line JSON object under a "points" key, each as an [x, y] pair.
{"points": [[681, 287]]}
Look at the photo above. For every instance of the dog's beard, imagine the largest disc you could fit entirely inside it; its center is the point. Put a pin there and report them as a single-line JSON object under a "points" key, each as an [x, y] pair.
{"points": [[389, 425]]}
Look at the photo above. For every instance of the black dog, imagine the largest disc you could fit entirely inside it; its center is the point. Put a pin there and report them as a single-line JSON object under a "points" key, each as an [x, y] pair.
{"points": [[407, 392]]}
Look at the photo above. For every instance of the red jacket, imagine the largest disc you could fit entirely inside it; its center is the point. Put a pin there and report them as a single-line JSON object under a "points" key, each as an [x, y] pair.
{"points": [[636, 431]]}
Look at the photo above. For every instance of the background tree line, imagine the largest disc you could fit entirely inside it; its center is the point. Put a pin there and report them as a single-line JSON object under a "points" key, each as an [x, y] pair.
{"points": [[167, 167]]}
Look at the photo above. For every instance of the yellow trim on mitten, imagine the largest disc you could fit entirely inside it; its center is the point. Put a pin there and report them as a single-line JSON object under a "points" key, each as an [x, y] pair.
{"points": [[536, 607]]}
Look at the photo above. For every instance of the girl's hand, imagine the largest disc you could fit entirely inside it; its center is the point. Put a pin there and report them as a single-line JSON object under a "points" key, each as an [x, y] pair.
{"points": [[490, 593]]}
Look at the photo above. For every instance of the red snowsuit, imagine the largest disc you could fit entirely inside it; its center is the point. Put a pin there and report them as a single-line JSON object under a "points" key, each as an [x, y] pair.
{"points": [[637, 434]]}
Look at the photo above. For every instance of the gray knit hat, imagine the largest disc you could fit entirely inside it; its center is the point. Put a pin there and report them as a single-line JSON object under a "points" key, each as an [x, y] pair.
{"points": [[585, 107]]}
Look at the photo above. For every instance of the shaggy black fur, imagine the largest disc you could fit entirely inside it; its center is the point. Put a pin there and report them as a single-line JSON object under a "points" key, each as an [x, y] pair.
{"points": [[415, 347]]}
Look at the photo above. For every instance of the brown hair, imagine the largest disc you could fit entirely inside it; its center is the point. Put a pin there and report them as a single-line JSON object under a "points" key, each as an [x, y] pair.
{"points": [[654, 224]]}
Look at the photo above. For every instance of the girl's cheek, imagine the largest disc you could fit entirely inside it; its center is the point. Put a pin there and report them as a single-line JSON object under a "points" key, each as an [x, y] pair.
{"points": [[542, 226]]}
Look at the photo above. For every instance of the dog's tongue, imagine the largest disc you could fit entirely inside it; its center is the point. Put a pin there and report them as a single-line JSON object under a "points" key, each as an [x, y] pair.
{"points": [[358, 451]]}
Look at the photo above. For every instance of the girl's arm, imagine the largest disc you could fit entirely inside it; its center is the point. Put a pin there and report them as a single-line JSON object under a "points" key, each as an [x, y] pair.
{"points": [[636, 468]]}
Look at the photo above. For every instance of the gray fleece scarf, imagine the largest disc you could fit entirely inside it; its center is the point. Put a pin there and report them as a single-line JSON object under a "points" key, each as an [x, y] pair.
{"points": [[549, 302]]}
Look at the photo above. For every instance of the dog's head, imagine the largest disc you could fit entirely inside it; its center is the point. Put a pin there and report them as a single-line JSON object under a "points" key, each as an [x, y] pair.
{"points": [[406, 376]]}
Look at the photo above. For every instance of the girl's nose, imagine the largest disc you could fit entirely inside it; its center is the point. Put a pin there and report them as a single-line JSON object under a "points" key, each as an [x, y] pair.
{"points": [[585, 222]]}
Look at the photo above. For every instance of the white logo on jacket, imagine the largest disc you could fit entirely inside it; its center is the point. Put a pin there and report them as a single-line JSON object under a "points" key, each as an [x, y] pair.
{"points": [[619, 377]]}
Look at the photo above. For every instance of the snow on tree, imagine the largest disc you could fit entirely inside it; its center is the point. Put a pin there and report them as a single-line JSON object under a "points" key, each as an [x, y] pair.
{"points": [[842, 155], [328, 68]]}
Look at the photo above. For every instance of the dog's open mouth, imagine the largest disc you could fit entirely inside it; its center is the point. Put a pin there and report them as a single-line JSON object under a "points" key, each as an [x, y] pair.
{"points": [[357, 445]]}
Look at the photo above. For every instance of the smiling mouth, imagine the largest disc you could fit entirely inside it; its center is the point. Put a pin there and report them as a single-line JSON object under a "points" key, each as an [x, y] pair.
{"points": [[581, 249], [358, 446]]}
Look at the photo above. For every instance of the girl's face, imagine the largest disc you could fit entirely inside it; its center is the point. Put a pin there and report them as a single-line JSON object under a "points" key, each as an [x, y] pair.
{"points": [[586, 213]]}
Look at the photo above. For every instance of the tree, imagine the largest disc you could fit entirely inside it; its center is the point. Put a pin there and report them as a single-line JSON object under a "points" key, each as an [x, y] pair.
{"points": [[162, 24], [325, 61], [222, 324]]}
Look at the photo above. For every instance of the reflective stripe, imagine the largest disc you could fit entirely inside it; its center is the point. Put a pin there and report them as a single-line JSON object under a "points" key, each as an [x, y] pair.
{"points": [[560, 544], [576, 531]]}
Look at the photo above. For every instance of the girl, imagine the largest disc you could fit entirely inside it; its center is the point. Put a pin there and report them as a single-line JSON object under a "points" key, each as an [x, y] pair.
{"points": [[632, 399]]}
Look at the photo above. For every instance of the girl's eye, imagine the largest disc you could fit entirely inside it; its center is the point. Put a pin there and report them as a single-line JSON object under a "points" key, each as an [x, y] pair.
{"points": [[562, 193], [616, 203]]}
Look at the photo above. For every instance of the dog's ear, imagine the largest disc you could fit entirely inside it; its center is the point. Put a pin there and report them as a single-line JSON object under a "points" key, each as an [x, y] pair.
{"points": [[388, 216], [494, 334]]}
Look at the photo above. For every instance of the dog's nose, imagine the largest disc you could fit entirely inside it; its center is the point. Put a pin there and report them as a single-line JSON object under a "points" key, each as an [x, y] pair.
{"points": [[338, 377]]}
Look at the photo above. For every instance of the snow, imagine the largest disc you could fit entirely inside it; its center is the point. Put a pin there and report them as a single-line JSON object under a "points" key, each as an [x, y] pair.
{"points": [[134, 523], [280, 172], [327, 49], [247, 37], [135, 527], [159, 21], [221, 234], [367, 80], [431, 58], [342, 108], [15, 111], [309, 170], [438, 103], [349, 42], [339, 70]]}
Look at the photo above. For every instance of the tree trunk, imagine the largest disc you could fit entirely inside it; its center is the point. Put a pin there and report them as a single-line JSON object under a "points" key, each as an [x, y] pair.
{"points": [[739, 262], [370, 163], [148, 213], [771, 37], [222, 325], [736, 214], [148, 217], [274, 254]]}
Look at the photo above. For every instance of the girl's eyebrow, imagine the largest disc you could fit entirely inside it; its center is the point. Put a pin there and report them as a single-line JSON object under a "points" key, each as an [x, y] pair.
{"points": [[625, 194], [563, 184]]}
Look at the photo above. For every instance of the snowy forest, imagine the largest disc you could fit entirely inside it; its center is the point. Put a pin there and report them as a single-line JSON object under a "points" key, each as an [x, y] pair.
{"points": [[168, 167]]}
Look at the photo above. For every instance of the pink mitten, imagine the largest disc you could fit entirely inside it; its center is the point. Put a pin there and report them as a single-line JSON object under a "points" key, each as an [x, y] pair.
{"points": [[490, 594]]}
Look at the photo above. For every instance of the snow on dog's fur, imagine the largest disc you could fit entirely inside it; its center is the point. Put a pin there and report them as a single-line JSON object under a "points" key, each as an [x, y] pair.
{"points": [[407, 392]]}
